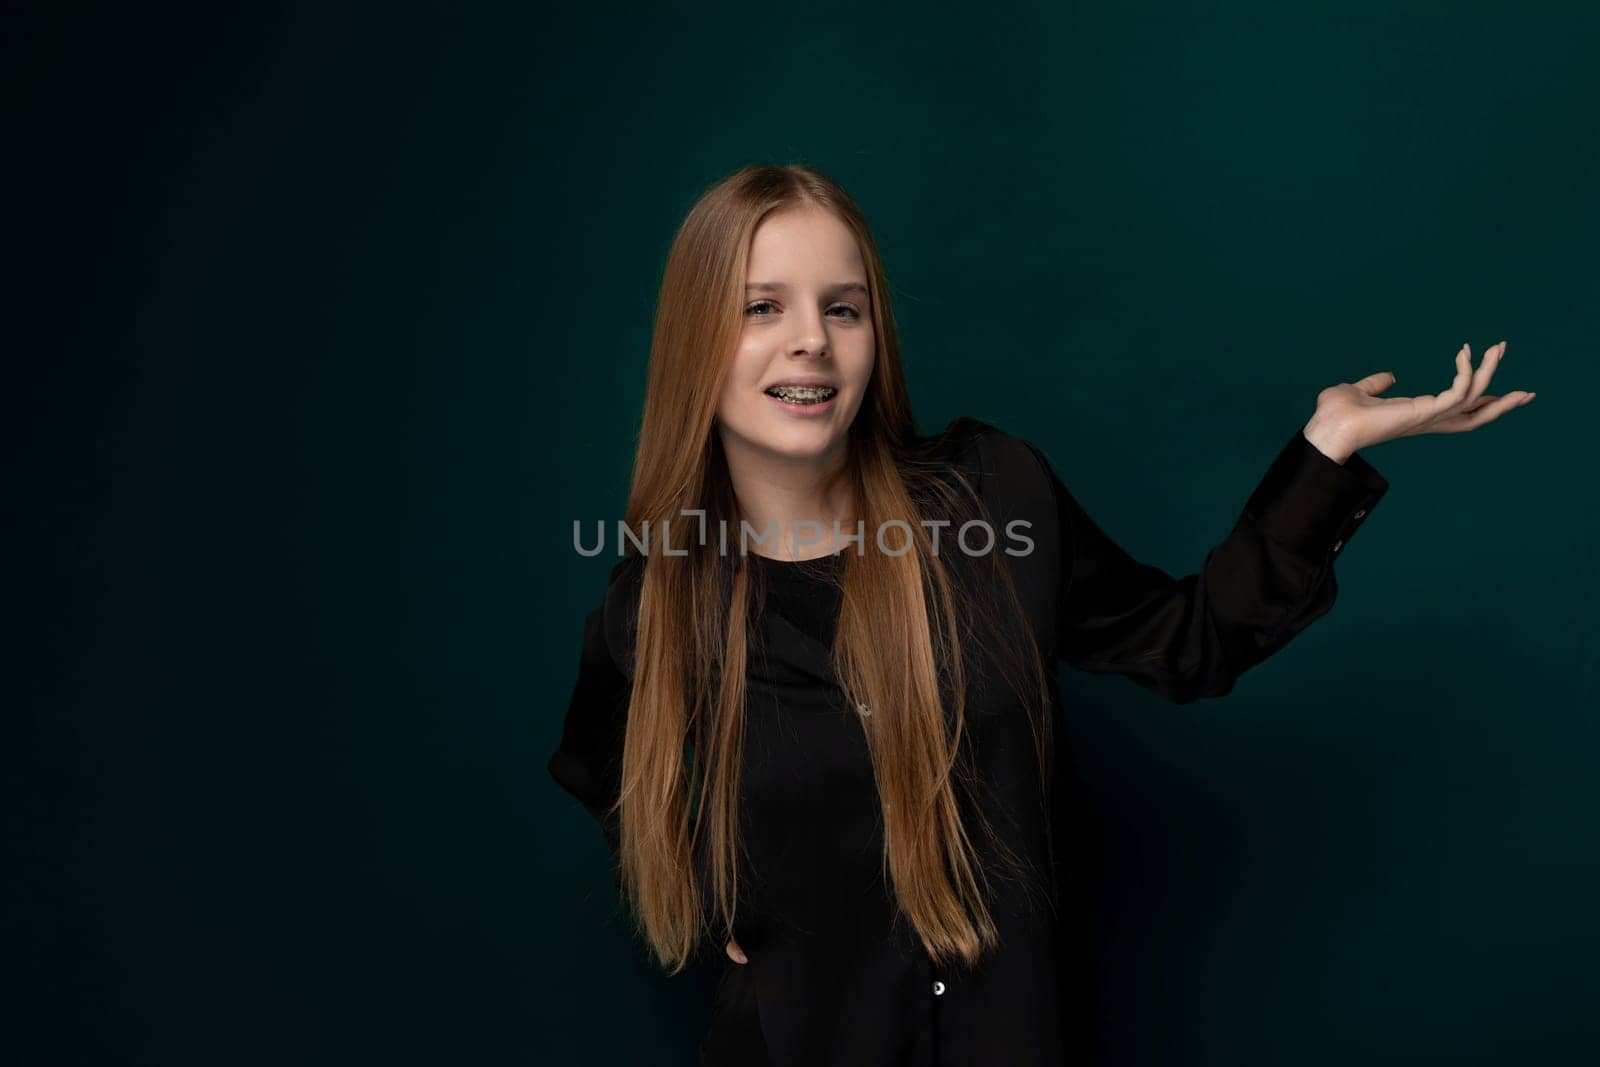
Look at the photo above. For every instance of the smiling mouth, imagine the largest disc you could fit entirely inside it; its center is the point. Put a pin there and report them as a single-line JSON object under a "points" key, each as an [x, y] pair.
{"points": [[802, 394]]}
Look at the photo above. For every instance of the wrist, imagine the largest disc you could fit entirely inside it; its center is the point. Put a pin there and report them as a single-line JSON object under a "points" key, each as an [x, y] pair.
{"points": [[1329, 439]]}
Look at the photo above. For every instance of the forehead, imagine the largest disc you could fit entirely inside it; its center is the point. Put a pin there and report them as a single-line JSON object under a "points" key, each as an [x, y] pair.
{"points": [[802, 242]]}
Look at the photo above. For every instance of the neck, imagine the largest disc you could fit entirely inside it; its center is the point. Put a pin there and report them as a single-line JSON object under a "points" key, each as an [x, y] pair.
{"points": [[792, 503]]}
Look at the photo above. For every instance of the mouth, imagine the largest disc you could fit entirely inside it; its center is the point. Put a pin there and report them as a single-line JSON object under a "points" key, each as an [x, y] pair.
{"points": [[802, 395]]}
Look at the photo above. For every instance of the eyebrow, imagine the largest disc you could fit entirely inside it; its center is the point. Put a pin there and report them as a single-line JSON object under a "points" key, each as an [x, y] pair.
{"points": [[778, 287]]}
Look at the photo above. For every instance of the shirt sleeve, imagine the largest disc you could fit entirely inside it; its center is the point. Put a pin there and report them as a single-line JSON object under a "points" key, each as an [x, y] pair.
{"points": [[1269, 579], [588, 762]]}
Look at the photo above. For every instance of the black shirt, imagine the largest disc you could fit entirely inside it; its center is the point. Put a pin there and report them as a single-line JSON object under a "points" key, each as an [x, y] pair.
{"points": [[806, 592], [835, 975]]}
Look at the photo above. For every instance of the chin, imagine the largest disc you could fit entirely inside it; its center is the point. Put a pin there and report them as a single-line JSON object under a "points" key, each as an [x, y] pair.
{"points": [[807, 443], [797, 442]]}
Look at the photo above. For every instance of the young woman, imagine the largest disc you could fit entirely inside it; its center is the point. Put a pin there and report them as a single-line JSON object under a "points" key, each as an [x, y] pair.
{"points": [[813, 709]]}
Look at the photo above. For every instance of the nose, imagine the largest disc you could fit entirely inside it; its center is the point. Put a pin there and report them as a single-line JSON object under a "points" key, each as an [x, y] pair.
{"points": [[811, 339], [809, 351]]}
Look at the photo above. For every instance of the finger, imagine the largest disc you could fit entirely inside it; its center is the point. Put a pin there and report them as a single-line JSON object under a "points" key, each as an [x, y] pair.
{"points": [[1482, 416], [1373, 384], [1485, 371], [1521, 396], [1433, 407], [736, 953], [1462, 382]]}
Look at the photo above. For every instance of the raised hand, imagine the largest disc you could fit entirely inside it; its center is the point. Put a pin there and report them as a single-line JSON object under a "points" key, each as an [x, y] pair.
{"points": [[1352, 415]]}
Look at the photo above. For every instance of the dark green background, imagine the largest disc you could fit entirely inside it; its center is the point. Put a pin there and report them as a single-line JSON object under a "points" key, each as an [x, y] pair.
{"points": [[325, 325]]}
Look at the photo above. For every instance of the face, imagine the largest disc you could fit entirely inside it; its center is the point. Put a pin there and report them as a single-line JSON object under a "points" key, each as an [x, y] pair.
{"points": [[806, 349]]}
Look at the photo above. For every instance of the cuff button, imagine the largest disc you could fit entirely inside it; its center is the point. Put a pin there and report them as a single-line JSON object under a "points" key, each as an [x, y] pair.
{"points": [[1361, 514]]}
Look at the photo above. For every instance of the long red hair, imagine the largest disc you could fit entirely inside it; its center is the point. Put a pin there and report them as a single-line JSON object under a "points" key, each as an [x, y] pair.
{"points": [[902, 625]]}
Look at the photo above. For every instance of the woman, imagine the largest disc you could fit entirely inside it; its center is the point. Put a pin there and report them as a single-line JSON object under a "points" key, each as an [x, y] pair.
{"points": [[813, 710]]}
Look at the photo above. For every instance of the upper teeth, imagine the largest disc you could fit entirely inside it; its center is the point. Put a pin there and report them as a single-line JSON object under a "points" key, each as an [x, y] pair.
{"points": [[802, 392]]}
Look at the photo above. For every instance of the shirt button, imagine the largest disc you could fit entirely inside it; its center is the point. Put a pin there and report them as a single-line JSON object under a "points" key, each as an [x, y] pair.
{"points": [[1337, 545], [1361, 514], [938, 989]]}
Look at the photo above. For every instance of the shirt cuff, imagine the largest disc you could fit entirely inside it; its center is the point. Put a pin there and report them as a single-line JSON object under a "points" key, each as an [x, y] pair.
{"points": [[1312, 505]]}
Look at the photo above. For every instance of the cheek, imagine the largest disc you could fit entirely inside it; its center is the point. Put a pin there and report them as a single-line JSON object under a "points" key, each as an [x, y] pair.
{"points": [[861, 369], [728, 399], [744, 374], [746, 367]]}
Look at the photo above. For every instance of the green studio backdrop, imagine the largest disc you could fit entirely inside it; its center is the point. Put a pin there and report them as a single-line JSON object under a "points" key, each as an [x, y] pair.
{"points": [[332, 322]]}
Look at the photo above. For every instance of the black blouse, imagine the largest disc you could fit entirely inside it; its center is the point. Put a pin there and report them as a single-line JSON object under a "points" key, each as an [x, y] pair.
{"points": [[833, 977]]}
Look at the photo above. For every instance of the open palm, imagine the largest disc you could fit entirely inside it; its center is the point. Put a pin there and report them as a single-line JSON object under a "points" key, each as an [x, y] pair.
{"points": [[1365, 418]]}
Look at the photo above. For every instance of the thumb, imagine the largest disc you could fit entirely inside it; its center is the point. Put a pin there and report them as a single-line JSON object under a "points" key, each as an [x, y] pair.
{"points": [[1373, 384], [736, 953]]}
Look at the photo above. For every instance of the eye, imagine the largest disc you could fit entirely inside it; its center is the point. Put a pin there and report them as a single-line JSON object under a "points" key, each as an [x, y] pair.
{"points": [[850, 312]]}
